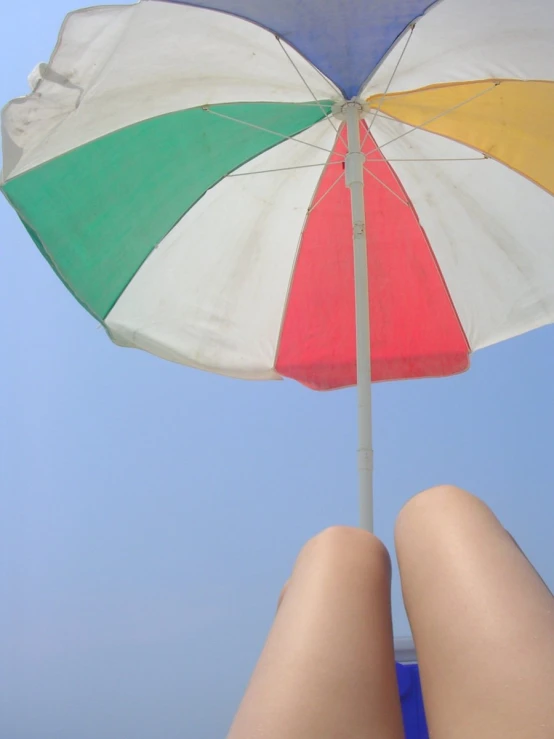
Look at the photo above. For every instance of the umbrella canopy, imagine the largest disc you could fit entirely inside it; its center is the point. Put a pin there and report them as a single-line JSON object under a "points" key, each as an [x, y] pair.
{"points": [[185, 168]]}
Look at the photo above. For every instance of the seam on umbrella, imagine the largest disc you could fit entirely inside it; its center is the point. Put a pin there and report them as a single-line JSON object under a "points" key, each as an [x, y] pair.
{"points": [[442, 114], [379, 64], [246, 161], [305, 81], [429, 247], [210, 9], [299, 247], [485, 154], [454, 83], [389, 83], [170, 113], [209, 109]]}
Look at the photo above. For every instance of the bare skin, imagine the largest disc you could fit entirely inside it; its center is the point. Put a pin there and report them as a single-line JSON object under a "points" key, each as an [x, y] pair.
{"points": [[482, 620]]}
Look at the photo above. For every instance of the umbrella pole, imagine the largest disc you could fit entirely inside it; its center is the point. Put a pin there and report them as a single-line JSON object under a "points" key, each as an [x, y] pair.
{"points": [[354, 174]]}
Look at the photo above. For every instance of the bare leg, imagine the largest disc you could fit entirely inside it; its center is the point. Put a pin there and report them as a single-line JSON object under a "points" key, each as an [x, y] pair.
{"points": [[327, 669], [482, 620]]}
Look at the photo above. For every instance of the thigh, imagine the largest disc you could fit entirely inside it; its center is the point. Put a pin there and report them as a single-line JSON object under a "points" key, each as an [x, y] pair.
{"points": [[327, 669], [482, 620]]}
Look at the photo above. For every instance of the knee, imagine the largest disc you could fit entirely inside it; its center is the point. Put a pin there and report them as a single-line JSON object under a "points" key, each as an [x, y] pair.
{"points": [[433, 510], [344, 544], [337, 539], [339, 554]]}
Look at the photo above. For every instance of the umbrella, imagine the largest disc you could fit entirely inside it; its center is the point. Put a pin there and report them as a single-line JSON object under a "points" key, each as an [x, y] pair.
{"points": [[244, 186]]}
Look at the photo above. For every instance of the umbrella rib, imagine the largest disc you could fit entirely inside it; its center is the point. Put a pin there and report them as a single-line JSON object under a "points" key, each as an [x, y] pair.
{"points": [[387, 88], [319, 200], [433, 119], [312, 93], [265, 130], [396, 195], [284, 169]]}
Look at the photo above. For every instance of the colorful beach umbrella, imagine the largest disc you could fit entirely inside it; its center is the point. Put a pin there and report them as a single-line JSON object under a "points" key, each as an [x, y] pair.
{"points": [[245, 186]]}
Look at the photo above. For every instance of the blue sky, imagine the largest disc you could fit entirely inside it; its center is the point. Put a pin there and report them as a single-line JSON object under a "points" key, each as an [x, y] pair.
{"points": [[151, 513]]}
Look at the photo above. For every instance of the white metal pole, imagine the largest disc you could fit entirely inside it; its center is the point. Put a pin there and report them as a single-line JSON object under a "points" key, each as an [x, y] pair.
{"points": [[355, 182]]}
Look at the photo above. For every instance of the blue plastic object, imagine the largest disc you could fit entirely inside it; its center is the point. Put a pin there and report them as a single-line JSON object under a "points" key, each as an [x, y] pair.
{"points": [[413, 712]]}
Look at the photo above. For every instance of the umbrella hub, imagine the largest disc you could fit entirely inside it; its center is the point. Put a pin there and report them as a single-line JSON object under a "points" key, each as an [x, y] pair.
{"points": [[339, 110]]}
